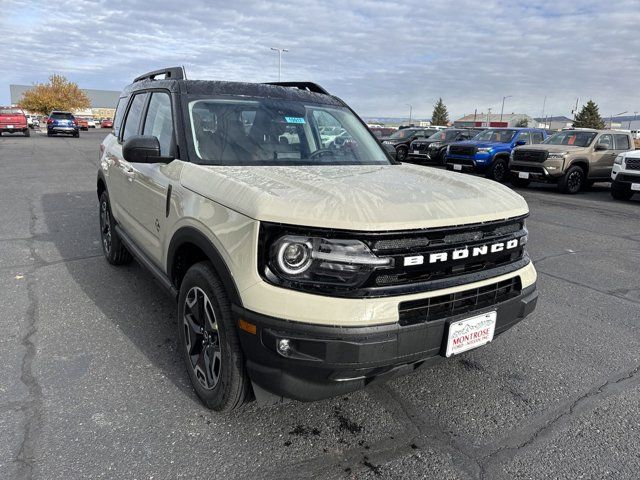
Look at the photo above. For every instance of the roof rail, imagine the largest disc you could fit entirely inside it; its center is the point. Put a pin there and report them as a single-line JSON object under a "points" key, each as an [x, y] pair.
{"points": [[173, 73], [308, 86]]}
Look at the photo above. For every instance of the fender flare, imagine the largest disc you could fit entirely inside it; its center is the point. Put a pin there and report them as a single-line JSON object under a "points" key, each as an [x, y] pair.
{"points": [[192, 235]]}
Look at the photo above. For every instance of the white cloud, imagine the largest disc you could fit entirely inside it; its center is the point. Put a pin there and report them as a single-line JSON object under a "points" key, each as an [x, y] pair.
{"points": [[378, 56]]}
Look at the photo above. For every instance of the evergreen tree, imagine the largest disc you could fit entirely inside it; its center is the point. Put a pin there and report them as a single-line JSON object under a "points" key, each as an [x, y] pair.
{"points": [[589, 117], [440, 115], [523, 123]]}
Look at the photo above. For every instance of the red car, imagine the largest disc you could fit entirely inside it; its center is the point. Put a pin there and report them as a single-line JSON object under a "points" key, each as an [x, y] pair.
{"points": [[12, 120], [106, 123], [82, 123]]}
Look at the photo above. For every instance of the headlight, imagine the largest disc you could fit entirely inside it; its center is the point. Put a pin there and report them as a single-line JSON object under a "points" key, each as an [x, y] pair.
{"points": [[435, 145], [556, 155], [618, 160], [484, 149], [316, 261]]}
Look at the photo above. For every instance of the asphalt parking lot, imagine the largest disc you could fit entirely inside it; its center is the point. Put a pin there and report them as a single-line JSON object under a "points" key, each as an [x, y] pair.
{"points": [[91, 385]]}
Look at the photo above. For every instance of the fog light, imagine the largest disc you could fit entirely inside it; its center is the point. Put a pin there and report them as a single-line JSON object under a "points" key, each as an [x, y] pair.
{"points": [[284, 347]]}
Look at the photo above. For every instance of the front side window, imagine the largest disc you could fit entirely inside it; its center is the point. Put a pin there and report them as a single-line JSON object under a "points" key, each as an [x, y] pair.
{"points": [[574, 138], [524, 137], [159, 121], [497, 136], [537, 137], [606, 141], [132, 122], [279, 132]]}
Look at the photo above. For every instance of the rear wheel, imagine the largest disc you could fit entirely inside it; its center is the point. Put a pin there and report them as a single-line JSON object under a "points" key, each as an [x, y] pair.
{"points": [[209, 341], [498, 170], [27, 133], [76, 135], [620, 191], [114, 251], [572, 181]]}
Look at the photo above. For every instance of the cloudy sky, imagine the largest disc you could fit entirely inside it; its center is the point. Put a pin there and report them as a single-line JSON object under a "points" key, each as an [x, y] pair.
{"points": [[378, 56]]}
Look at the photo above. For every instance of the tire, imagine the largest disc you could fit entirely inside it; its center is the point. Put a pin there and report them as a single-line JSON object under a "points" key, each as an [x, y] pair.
{"points": [[208, 341], [27, 133], [620, 191], [49, 134], [520, 182], [499, 170], [401, 154], [572, 181], [114, 251], [76, 135]]}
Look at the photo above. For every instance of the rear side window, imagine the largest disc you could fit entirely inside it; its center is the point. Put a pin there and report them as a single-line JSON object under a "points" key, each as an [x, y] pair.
{"points": [[537, 137], [159, 121], [132, 122], [622, 142], [122, 105]]}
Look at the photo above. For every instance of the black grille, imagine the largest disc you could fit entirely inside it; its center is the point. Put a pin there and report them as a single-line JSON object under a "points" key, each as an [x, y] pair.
{"points": [[628, 178], [421, 147], [632, 163], [442, 306], [462, 150], [461, 161], [527, 168], [426, 242], [521, 155]]}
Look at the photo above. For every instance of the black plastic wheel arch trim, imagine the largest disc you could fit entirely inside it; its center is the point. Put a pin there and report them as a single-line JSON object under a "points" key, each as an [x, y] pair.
{"points": [[191, 235]]}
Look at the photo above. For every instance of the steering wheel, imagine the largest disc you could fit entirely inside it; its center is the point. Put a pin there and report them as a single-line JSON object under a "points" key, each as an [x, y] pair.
{"points": [[321, 152]]}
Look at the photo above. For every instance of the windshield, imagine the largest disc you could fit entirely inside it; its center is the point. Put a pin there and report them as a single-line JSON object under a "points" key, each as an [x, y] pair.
{"points": [[497, 136], [444, 135], [279, 132], [571, 137], [10, 111]]}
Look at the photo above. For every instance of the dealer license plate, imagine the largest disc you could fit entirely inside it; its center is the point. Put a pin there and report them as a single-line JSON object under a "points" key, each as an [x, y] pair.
{"points": [[635, 186], [471, 333], [524, 175], [416, 152], [457, 167], [10, 126]]}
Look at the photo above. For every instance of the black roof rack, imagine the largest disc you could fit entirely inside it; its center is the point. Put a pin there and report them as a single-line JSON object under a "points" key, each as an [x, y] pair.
{"points": [[173, 73], [308, 86]]}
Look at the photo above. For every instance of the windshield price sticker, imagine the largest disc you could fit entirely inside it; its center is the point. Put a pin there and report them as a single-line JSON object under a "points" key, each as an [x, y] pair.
{"points": [[294, 120]]}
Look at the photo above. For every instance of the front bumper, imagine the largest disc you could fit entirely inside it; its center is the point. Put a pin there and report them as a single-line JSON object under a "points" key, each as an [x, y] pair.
{"points": [[477, 163], [326, 361], [541, 172]]}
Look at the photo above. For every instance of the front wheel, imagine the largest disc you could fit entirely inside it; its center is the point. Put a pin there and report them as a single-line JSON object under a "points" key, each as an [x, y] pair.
{"points": [[401, 154], [498, 170], [620, 191], [572, 181], [209, 341]]}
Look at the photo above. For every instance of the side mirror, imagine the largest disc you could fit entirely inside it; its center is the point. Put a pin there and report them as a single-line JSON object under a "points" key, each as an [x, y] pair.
{"points": [[143, 149], [391, 150], [521, 142], [600, 147]]}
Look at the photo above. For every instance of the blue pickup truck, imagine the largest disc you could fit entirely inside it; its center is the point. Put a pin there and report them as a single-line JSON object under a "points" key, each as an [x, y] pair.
{"points": [[489, 151]]}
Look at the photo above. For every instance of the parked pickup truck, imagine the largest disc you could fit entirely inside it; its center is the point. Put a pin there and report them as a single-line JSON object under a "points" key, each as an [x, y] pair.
{"points": [[571, 158], [625, 176], [13, 120], [302, 269], [489, 151]]}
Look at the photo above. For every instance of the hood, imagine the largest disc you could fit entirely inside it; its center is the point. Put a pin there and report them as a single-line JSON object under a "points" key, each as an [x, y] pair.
{"points": [[482, 144], [553, 148], [358, 197]]}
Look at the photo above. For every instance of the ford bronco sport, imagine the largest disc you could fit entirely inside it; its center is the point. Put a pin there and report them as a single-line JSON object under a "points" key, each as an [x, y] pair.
{"points": [[302, 270], [625, 176], [570, 158]]}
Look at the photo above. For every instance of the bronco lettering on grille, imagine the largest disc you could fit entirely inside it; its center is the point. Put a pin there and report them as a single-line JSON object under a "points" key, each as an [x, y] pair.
{"points": [[461, 253]]}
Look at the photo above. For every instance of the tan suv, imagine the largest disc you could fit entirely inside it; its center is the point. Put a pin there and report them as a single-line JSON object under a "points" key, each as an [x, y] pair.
{"points": [[302, 267], [570, 158]]}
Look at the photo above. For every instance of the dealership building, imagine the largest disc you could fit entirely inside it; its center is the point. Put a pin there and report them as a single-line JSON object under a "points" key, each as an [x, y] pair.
{"points": [[103, 102], [493, 120]]}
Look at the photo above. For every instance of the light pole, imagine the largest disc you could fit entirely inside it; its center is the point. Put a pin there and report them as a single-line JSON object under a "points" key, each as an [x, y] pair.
{"points": [[410, 111], [489, 118], [502, 109], [280, 52], [616, 115]]}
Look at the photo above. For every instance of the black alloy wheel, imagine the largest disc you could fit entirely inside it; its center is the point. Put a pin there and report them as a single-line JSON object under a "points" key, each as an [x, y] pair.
{"points": [[572, 181], [202, 338], [401, 154]]}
